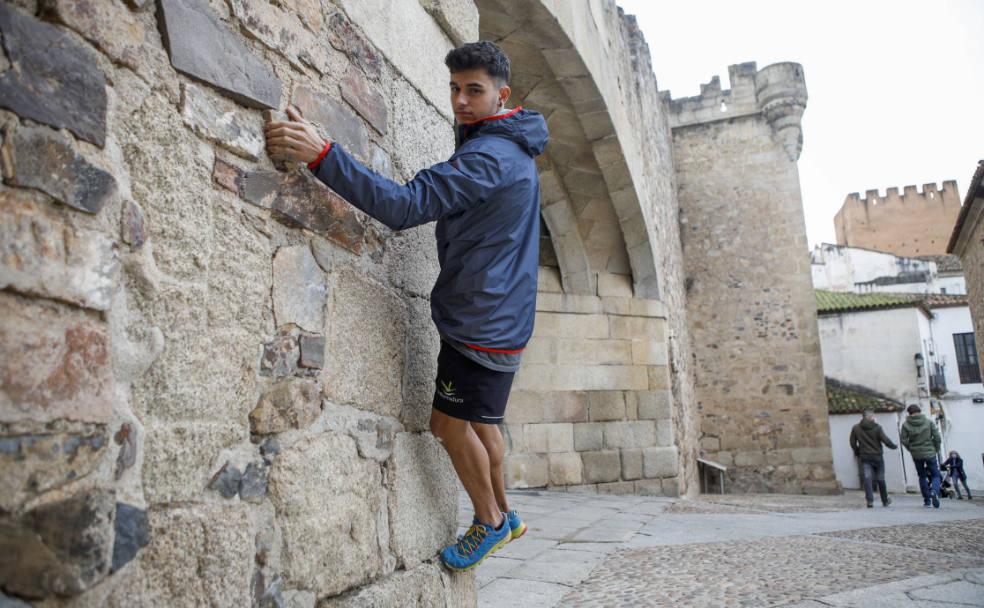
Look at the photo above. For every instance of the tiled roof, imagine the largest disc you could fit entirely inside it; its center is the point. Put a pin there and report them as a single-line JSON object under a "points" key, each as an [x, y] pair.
{"points": [[843, 398], [944, 263], [830, 302]]}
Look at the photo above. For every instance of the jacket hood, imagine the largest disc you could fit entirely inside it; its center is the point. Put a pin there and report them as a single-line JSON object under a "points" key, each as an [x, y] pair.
{"points": [[525, 127], [917, 421], [868, 424]]}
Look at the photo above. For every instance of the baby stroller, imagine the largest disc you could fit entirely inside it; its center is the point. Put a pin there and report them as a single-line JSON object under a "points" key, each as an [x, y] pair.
{"points": [[946, 486]]}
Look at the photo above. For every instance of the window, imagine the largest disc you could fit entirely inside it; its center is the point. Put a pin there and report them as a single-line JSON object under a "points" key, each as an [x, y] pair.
{"points": [[967, 363]]}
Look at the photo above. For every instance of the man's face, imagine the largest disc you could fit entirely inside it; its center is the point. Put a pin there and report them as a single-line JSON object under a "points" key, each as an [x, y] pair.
{"points": [[475, 95]]}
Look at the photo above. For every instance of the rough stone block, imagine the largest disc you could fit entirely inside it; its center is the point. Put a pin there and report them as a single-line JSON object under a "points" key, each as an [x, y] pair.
{"points": [[594, 352], [290, 404], [367, 345], [203, 47], [617, 487], [420, 587], [113, 29], [458, 18], [660, 462], [614, 285], [336, 120], [570, 406], [37, 157], [54, 364], [57, 81], [33, 464], [346, 37], [299, 289], [220, 122], [58, 548], [812, 455], [631, 463], [526, 470], [649, 352], [654, 405], [423, 501], [298, 199], [749, 459], [327, 500], [280, 356], [178, 457], [197, 553], [423, 346], [589, 436], [562, 325], [526, 406], [606, 405], [664, 433], [659, 377], [629, 434], [548, 280], [312, 351], [549, 437], [42, 255], [282, 33], [638, 328], [601, 466], [546, 378], [367, 100], [649, 487], [565, 468], [131, 534], [134, 226]]}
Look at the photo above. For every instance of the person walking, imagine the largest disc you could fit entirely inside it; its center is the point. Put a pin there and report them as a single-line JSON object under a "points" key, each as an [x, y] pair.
{"points": [[867, 438], [921, 437], [486, 201], [954, 464]]}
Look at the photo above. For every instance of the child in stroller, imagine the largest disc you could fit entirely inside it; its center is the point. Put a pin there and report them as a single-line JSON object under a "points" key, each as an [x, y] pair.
{"points": [[955, 475]]}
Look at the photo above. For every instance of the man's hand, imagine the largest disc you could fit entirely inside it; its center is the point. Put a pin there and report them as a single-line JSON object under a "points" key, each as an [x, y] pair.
{"points": [[296, 139]]}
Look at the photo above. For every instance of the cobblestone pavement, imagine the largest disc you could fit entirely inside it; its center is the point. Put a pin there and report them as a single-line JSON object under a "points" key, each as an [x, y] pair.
{"points": [[722, 551]]}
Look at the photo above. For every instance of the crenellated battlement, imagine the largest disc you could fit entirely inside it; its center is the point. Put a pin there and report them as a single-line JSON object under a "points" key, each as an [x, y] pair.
{"points": [[911, 195], [778, 91]]}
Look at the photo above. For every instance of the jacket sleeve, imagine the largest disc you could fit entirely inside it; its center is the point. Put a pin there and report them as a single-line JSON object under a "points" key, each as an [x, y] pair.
{"points": [[904, 436], [884, 439], [855, 444], [463, 182]]}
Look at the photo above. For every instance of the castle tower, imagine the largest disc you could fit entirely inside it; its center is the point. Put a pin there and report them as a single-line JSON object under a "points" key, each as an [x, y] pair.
{"points": [[750, 302], [913, 223]]}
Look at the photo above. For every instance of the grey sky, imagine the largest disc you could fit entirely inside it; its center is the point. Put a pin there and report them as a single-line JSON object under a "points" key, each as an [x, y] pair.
{"points": [[896, 88]]}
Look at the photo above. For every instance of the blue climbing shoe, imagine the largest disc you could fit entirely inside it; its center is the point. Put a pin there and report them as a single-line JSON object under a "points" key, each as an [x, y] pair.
{"points": [[516, 526], [479, 542]]}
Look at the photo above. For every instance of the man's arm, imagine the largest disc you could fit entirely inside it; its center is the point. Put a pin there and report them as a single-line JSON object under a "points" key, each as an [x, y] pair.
{"points": [[885, 440], [855, 444], [904, 436]]}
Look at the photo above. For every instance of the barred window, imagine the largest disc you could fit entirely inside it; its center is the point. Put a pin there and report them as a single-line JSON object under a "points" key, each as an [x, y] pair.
{"points": [[967, 362]]}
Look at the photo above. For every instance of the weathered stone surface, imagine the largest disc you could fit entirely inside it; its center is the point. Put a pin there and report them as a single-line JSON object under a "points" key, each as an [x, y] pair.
{"points": [[344, 36], [300, 200], [334, 119], [201, 46], [423, 499], [589, 436], [565, 469], [42, 255], [253, 485], [134, 227], [226, 175], [131, 534], [54, 364], [221, 122], [11, 602], [549, 437], [366, 98], [526, 470], [299, 289], [109, 25], [367, 345], [327, 501], [58, 548], [33, 464], [631, 463], [291, 404], [458, 18], [312, 351], [660, 462], [420, 587], [654, 405], [198, 555], [606, 405], [630, 434], [308, 11], [37, 157], [280, 356], [57, 81], [178, 458], [282, 33], [601, 466], [226, 481]]}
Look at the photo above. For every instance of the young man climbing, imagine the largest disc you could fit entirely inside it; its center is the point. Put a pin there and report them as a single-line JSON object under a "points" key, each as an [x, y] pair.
{"points": [[486, 202]]}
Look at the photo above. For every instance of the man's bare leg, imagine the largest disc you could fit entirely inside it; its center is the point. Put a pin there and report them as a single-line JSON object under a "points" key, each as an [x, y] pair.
{"points": [[495, 446], [471, 463]]}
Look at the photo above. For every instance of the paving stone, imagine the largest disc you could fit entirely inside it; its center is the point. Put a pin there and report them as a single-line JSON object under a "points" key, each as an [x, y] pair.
{"points": [[57, 82], [42, 255], [131, 533], [334, 118], [518, 593], [221, 122], [299, 289], [300, 200], [367, 100], [202, 46], [290, 404], [54, 364], [33, 464], [58, 548]]}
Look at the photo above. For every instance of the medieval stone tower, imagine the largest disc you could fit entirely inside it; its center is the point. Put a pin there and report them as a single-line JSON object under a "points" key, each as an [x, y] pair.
{"points": [[911, 224], [750, 302]]}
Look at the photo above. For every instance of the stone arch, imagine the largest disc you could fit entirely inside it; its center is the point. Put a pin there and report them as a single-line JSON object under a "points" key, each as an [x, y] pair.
{"points": [[590, 205]]}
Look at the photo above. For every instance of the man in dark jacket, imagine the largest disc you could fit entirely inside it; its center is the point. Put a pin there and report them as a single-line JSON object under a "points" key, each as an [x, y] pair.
{"points": [[486, 202], [921, 437], [867, 438]]}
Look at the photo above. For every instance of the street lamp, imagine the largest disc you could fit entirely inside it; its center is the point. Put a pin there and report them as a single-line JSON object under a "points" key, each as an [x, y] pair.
{"points": [[920, 364]]}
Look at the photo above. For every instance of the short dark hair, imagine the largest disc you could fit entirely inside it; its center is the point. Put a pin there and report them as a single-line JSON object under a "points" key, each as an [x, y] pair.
{"points": [[486, 55], [914, 409]]}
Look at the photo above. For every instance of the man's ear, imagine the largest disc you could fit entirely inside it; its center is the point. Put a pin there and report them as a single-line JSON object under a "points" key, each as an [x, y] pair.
{"points": [[504, 92]]}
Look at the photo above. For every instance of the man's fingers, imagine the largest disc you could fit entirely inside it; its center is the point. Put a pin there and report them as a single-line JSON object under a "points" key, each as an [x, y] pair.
{"points": [[286, 138], [280, 128], [294, 114]]}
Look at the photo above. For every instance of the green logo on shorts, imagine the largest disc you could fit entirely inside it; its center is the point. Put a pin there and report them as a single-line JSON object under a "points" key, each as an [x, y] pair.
{"points": [[446, 392], [448, 387]]}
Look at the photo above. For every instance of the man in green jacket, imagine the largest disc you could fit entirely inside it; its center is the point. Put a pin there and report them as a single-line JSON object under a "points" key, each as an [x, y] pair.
{"points": [[921, 437], [867, 438]]}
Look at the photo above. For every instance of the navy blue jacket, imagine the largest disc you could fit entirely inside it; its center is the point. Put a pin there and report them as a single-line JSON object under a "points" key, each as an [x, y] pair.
{"points": [[486, 201]]}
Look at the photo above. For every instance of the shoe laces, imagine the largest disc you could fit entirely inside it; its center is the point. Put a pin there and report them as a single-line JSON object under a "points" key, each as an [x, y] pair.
{"points": [[472, 539]]}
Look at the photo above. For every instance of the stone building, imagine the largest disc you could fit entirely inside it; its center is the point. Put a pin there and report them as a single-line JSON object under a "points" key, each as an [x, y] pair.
{"points": [[750, 304], [967, 242], [216, 375], [911, 224]]}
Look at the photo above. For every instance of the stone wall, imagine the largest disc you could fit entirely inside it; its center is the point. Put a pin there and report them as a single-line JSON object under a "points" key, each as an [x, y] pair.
{"points": [[750, 304], [913, 223], [968, 242], [215, 375]]}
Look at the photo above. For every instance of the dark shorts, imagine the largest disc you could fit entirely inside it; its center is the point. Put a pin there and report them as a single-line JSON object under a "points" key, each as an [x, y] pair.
{"points": [[466, 390]]}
